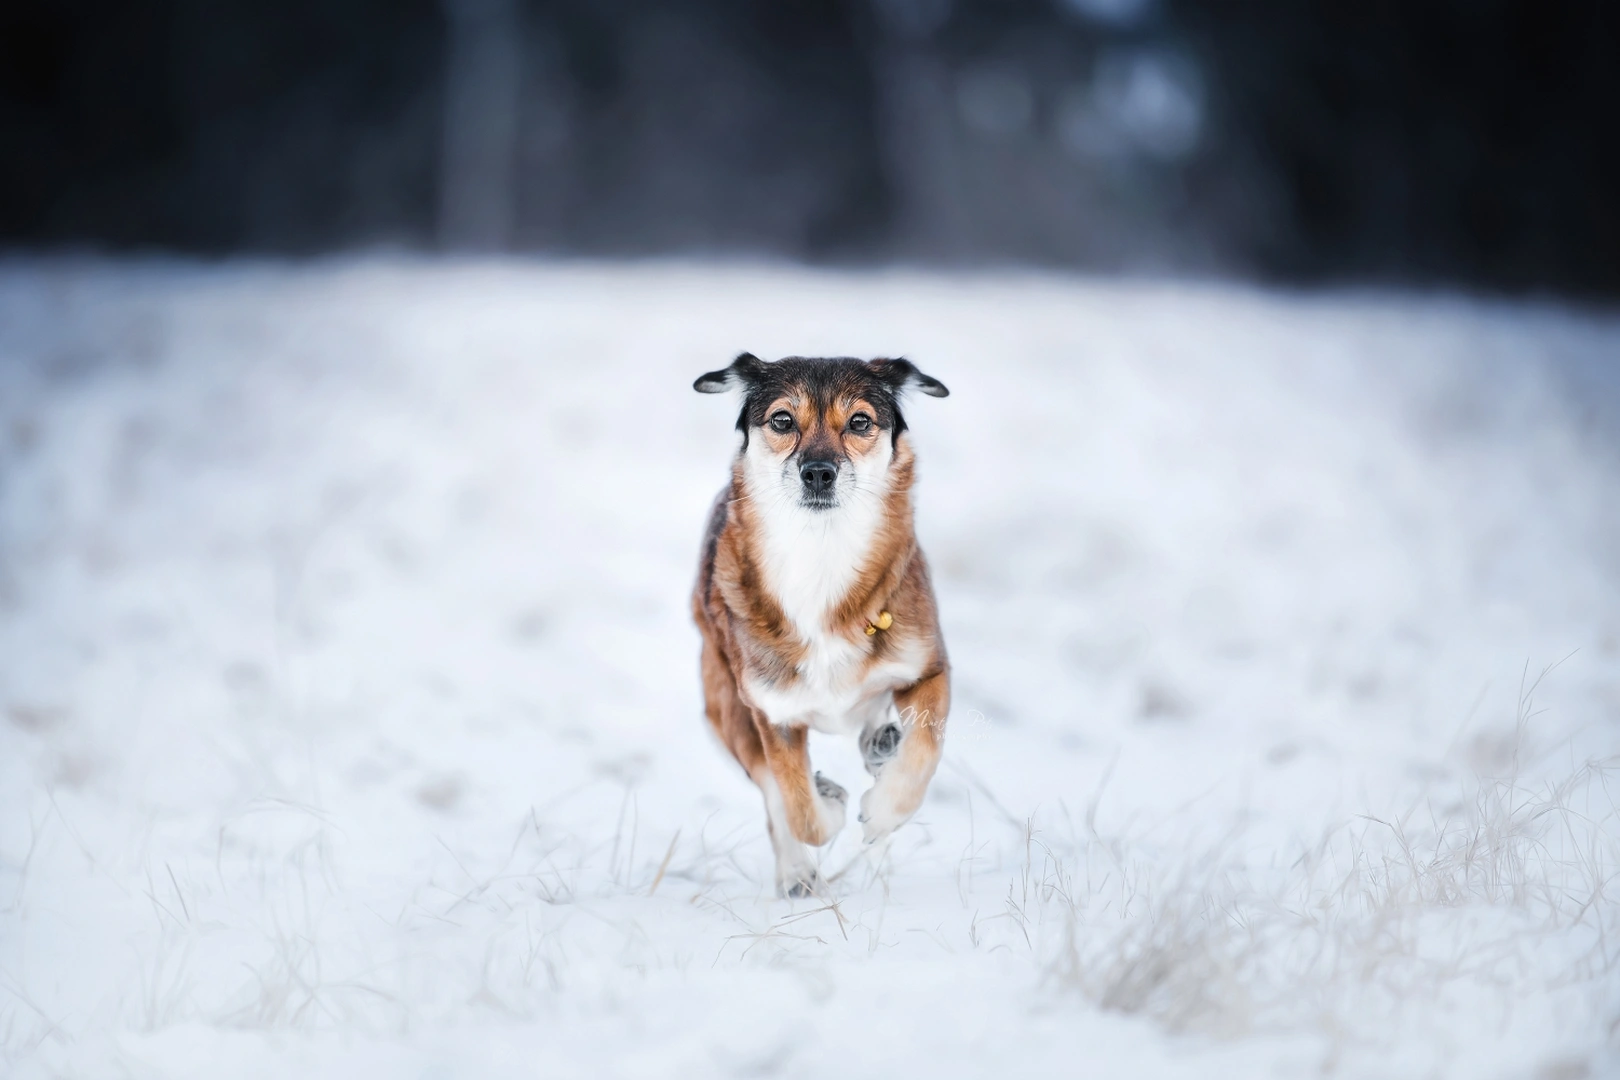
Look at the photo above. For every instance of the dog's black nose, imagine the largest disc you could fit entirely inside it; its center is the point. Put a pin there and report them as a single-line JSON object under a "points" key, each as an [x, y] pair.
{"points": [[818, 476]]}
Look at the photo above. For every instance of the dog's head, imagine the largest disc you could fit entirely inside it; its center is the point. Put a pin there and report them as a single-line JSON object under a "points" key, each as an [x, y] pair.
{"points": [[820, 429]]}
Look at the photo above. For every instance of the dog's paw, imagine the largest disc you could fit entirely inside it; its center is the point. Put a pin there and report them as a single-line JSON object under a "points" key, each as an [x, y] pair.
{"points": [[879, 816], [830, 789], [878, 745], [799, 884], [832, 801]]}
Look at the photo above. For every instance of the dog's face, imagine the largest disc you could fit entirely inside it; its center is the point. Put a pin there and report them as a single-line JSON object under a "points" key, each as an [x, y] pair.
{"points": [[819, 433]]}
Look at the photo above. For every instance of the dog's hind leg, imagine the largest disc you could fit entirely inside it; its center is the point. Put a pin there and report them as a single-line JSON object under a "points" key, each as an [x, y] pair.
{"points": [[903, 757], [880, 741]]}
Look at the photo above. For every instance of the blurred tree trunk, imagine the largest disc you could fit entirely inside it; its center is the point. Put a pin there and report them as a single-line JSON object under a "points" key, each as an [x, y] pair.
{"points": [[477, 173]]}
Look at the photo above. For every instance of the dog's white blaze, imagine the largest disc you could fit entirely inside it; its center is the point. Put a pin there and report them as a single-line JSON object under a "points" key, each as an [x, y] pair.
{"points": [[810, 558]]}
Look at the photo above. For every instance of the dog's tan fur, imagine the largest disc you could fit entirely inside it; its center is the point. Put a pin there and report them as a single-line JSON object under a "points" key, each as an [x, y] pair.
{"points": [[749, 641]]}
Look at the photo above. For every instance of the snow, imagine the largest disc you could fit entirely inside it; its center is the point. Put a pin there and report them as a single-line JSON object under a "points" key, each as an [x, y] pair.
{"points": [[350, 720]]}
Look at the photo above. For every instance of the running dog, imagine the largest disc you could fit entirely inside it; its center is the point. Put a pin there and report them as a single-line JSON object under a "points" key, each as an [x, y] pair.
{"points": [[814, 601]]}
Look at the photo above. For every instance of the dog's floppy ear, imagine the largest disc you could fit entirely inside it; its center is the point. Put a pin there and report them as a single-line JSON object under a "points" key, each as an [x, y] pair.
{"points": [[898, 374], [746, 370]]}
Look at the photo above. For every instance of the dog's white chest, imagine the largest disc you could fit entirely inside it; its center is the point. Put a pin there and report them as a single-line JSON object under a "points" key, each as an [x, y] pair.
{"points": [[836, 691], [810, 563]]}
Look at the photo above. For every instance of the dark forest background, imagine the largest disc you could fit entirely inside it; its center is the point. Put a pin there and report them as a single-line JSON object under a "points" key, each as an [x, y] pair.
{"points": [[1471, 142]]}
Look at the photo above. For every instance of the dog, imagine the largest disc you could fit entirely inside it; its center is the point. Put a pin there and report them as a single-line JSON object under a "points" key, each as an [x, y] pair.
{"points": [[814, 600]]}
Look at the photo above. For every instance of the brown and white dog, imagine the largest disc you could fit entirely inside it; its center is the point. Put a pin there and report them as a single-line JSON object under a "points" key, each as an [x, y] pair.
{"points": [[814, 601]]}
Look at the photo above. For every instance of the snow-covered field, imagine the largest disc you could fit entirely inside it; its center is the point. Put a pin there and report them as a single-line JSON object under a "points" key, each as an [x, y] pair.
{"points": [[350, 722]]}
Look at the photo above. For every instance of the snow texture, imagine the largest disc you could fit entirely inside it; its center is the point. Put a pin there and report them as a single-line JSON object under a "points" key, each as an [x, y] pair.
{"points": [[350, 721]]}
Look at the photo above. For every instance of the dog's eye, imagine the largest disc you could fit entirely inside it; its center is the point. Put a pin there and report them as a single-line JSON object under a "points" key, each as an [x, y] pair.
{"points": [[781, 422], [860, 423]]}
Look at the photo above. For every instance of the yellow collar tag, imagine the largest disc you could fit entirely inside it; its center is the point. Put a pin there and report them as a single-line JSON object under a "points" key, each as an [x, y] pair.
{"points": [[884, 621]]}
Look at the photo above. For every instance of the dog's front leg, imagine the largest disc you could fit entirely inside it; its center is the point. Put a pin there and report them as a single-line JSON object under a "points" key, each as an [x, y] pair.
{"points": [[800, 808], [904, 756]]}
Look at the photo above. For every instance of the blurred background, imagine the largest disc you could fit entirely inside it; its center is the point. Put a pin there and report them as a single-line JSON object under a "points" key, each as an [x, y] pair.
{"points": [[1470, 143]]}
